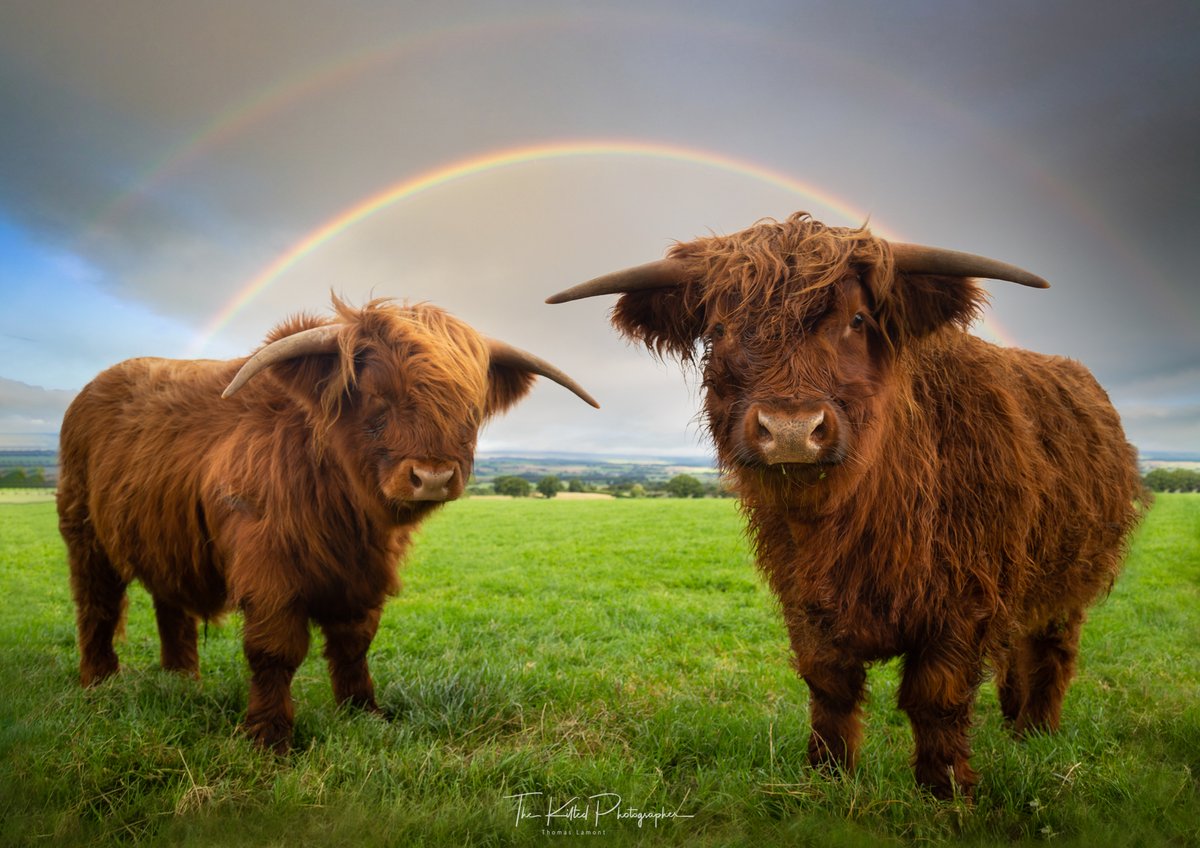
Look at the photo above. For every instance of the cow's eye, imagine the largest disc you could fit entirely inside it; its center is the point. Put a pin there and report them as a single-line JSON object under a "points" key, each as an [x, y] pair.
{"points": [[857, 321], [376, 426], [718, 331]]}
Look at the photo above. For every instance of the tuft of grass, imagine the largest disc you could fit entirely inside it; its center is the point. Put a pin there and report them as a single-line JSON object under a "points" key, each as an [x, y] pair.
{"points": [[569, 653]]}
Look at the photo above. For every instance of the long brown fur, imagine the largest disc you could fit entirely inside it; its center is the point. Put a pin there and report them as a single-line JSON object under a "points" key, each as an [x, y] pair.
{"points": [[288, 501], [980, 502]]}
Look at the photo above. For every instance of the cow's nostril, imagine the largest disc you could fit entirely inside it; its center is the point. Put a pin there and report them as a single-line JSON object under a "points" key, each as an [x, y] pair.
{"points": [[415, 479], [763, 433], [818, 433]]}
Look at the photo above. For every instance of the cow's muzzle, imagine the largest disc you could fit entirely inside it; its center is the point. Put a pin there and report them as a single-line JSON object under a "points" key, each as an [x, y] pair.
{"points": [[808, 435], [427, 480]]}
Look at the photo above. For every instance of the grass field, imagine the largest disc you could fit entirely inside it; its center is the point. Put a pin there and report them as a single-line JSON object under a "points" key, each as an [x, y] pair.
{"points": [[26, 495], [579, 649]]}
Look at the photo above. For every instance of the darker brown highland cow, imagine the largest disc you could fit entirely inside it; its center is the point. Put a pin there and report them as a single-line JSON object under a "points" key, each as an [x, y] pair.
{"points": [[910, 489], [292, 497]]}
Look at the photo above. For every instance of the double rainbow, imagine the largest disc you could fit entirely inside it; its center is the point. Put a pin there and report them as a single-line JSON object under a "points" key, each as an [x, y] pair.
{"points": [[463, 169]]}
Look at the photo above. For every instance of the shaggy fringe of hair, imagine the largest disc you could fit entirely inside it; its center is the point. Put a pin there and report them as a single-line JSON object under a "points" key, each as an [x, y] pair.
{"points": [[434, 339], [775, 278], [761, 264]]}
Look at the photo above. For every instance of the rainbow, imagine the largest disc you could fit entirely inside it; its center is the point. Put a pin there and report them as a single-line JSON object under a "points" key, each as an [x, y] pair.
{"points": [[306, 84], [285, 94], [340, 72], [462, 169]]}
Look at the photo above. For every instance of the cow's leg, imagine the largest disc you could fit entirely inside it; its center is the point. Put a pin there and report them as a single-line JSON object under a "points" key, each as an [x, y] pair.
{"points": [[1010, 683], [177, 638], [938, 692], [346, 644], [275, 645], [100, 603], [835, 697], [1050, 664]]}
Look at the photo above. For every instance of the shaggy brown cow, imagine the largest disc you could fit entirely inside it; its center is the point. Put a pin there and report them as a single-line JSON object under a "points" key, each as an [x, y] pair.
{"points": [[910, 489], [293, 499]]}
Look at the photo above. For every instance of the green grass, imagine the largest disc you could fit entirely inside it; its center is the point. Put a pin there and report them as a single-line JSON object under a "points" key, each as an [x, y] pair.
{"points": [[572, 649]]}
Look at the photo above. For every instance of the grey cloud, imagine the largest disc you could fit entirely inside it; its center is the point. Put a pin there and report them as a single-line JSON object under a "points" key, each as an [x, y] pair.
{"points": [[33, 401], [30, 415], [1161, 427]]}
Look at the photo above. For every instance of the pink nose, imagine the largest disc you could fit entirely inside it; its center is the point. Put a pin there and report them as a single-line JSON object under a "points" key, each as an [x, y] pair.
{"points": [[431, 481], [806, 436]]}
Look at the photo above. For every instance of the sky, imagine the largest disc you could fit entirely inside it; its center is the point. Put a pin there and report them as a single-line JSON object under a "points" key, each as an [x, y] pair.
{"points": [[178, 177]]}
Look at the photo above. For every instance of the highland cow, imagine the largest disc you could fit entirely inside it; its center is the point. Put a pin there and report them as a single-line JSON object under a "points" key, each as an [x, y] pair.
{"points": [[911, 490], [286, 485]]}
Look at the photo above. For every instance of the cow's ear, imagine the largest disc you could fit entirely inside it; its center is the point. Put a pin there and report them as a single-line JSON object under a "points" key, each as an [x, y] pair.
{"points": [[918, 304], [311, 358], [506, 386], [312, 376], [510, 376], [667, 321]]}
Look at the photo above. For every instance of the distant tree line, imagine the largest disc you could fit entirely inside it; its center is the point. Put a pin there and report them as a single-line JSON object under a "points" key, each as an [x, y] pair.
{"points": [[679, 486], [24, 478], [28, 469], [1173, 480], [687, 486], [514, 487]]}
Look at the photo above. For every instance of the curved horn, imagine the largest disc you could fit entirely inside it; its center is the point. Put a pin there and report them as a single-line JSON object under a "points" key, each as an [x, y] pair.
{"points": [[661, 274], [316, 340], [506, 354], [919, 259]]}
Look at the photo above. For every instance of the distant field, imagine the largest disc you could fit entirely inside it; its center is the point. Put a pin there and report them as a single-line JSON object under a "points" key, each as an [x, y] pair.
{"points": [[578, 649], [27, 495], [594, 470], [1149, 465], [562, 496]]}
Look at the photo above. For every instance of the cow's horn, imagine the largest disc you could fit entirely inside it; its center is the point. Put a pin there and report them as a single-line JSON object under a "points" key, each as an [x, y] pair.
{"points": [[316, 340], [918, 259], [661, 274], [505, 354]]}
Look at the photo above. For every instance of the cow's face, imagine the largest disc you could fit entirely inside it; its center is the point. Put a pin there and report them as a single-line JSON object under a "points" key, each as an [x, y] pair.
{"points": [[795, 384], [421, 393], [797, 329], [398, 392]]}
